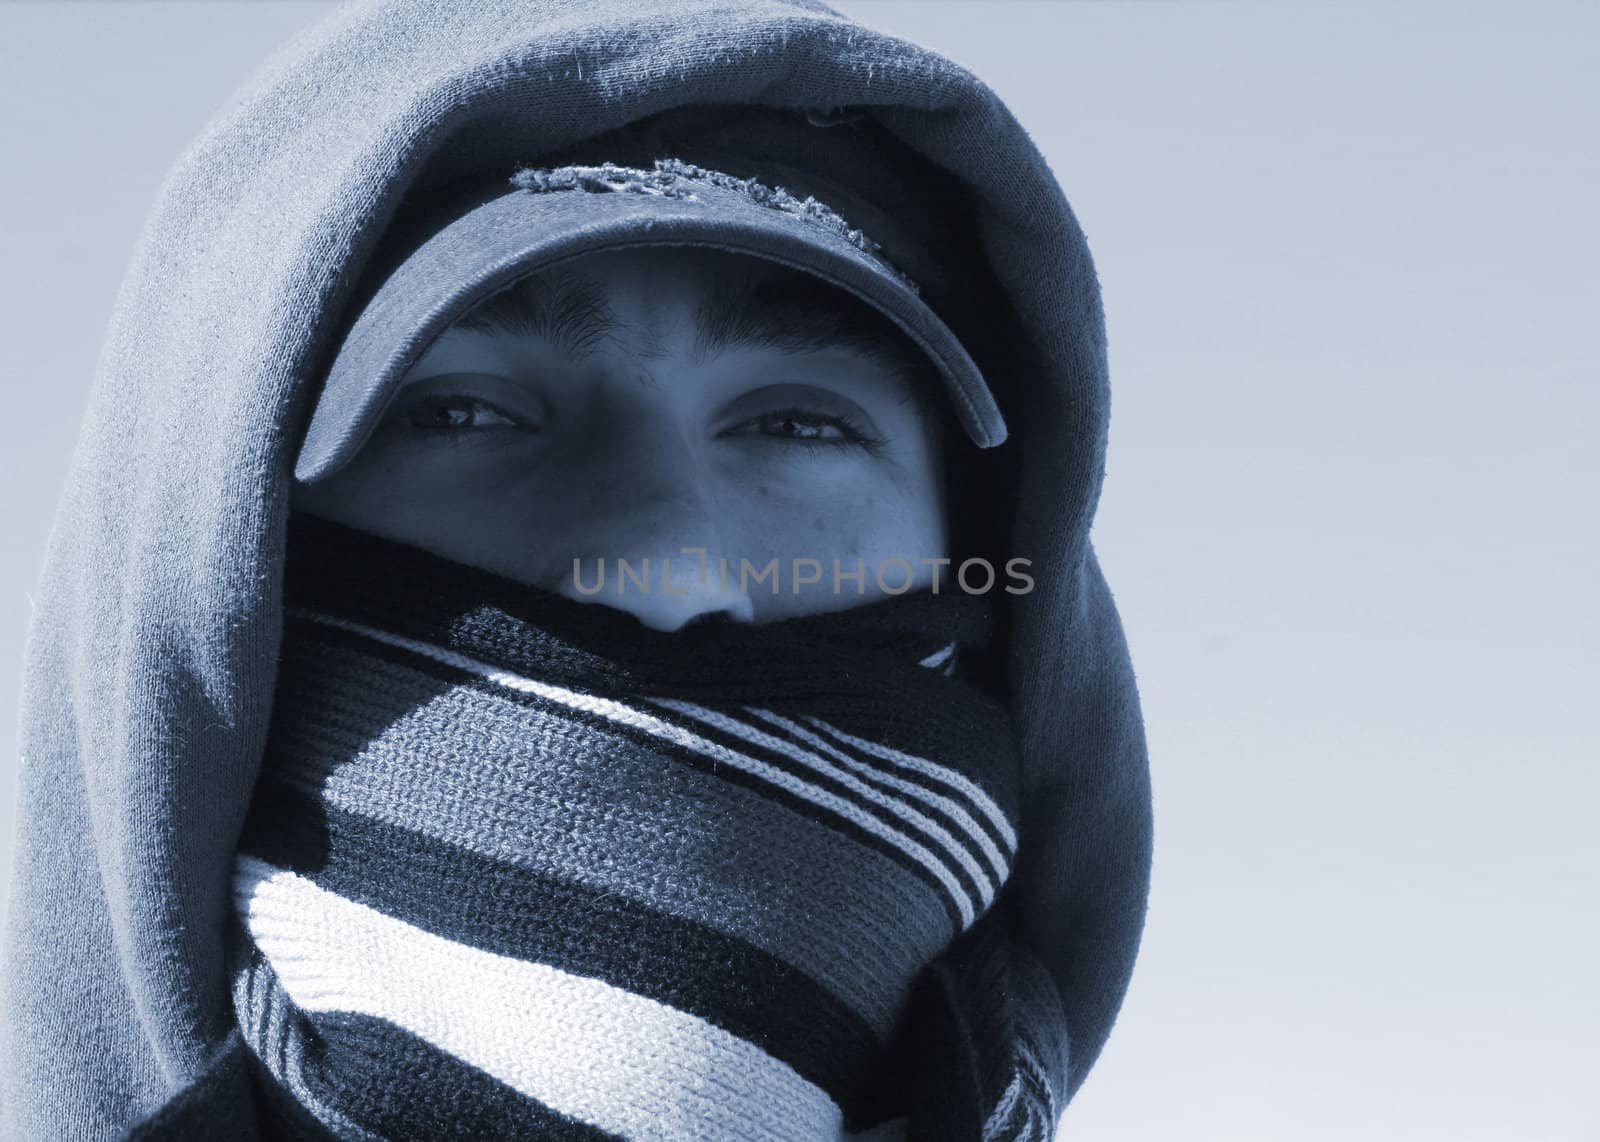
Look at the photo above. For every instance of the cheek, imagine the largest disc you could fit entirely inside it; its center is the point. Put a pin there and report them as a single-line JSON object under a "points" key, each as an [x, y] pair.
{"points": [[399, 489], [872, 514], [480, 513]]}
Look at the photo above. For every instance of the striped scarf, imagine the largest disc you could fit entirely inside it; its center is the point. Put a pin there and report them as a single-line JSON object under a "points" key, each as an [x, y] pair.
{"points": [[518, 866]]}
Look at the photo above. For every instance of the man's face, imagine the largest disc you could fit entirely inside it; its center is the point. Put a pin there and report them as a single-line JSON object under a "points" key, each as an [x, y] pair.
{"points": [[630, 403]]}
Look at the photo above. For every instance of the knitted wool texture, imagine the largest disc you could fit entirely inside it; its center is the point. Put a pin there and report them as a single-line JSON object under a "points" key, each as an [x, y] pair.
{"points": [[518, 866]]}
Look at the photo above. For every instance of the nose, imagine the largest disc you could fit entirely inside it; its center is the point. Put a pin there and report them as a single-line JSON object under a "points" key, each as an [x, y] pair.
{"points": [[653, 542], [666, 590]]}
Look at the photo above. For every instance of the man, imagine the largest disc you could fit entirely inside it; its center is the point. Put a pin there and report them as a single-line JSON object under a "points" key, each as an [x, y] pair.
{"points": [[321, 243]]}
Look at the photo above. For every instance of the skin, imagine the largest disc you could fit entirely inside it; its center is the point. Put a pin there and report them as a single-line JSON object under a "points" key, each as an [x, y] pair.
{"points": [[507, 452]]}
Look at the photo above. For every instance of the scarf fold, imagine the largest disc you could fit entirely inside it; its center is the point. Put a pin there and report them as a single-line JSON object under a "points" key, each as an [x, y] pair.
{"points": [[518, 866]]}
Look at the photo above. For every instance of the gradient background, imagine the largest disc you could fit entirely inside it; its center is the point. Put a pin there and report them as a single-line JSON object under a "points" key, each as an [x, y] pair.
{"points": [[1352, 513]]}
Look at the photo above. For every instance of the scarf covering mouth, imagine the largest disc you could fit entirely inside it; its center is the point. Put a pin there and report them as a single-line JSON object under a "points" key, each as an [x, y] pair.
{"points": [[518, 866]]}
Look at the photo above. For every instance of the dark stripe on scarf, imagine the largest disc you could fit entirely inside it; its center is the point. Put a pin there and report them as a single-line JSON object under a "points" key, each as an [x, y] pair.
{"points": [[447, 675]]}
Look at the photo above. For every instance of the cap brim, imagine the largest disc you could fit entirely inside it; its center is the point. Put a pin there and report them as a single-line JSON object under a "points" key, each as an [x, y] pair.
{"points": [[522, 231]]}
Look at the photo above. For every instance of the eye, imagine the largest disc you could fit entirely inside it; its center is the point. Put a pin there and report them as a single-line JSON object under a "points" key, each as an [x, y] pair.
{"points": [[454, 412], [809, 427], [451, 407]]}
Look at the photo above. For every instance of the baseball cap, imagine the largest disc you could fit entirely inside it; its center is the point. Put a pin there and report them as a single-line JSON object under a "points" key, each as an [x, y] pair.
{"points": [[489, 230]]}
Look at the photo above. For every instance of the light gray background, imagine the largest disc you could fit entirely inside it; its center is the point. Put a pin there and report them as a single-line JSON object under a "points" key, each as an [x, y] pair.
{"points": [[1350, 265]]}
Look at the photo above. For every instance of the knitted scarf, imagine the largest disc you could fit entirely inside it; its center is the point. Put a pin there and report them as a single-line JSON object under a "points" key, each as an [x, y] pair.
{"points": [[518, 866]]}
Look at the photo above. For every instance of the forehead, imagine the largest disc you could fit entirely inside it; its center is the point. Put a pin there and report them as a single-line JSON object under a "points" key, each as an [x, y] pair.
{"points": [[725, 299]]}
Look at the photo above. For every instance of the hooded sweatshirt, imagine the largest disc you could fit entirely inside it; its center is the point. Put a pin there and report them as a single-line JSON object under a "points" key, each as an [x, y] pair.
{"points": [[158, 619]]}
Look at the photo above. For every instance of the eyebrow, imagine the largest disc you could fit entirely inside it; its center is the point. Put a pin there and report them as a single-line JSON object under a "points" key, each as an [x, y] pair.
{"points": [[789, 312]]}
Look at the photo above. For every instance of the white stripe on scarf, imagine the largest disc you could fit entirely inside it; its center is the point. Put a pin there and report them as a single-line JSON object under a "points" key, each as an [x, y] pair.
{"points": [[814, 761], [939, 773], [619, 1061]]}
